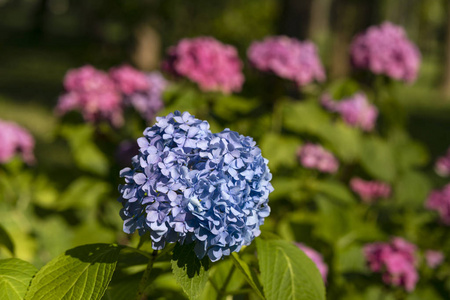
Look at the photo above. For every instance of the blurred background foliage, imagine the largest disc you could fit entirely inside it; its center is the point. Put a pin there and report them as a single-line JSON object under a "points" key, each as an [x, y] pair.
{"points": [[73, 195]]}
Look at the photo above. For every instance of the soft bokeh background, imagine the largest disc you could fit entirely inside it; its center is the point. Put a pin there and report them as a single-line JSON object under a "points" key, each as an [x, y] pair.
{"points": [[41, 39], [71, 205]]}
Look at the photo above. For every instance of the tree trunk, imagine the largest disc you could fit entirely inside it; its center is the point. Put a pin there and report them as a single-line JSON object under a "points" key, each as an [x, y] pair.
{"points": [[295, 18]]}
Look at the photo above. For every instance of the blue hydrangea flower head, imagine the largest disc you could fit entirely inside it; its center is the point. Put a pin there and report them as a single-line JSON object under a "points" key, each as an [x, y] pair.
{"points": [[192, 186]]}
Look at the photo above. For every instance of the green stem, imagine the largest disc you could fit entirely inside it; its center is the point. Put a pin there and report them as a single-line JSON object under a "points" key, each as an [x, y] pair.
{"points": [[145, 277], [222, 291]]}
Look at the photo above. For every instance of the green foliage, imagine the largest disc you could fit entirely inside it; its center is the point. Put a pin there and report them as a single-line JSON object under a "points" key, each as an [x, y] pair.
{"points": [[250, 275], [80, 273], [287, 273], [378, 159], [190, 272], [280, 150], [86, 153], [5, 240], [15, 276]]}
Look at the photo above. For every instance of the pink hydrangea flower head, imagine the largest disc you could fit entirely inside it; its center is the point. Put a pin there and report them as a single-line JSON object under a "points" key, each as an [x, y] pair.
{"points": [[434, 258], [149, 101], [15, 140], [287, 58], [395, 260], [369, 191], [128, 79], [439, 200], [356, 110], [93, 93], [442, 165], [313, 156], [209, 63], [317, 258], [385, 49]]}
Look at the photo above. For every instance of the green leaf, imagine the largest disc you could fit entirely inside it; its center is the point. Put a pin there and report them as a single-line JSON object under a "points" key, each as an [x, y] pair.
{"points": [[87, 155], [411, 189], [280, 150], [6, 240], [304, 117], [378, 159], [15, 277], [350, 259], [230, 107], [287, 273], [346, 140], [223, 274], [249, 274], [80, 273], [336, 190], [85, 192], [190, 272]]}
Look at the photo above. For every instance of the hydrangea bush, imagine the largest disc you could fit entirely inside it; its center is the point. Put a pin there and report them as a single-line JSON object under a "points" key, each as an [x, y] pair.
{"points": [[199, 213]]}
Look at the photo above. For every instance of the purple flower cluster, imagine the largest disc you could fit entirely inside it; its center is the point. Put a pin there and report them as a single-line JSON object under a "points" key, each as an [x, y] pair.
{"points": [[396, 260], [287, 58], [369, 191], [317, 258], [102, 96], [356, 110], [209, 63], [385, 49], [190, 185], [13, 140], [434, 258], [313, 156], [442, 165], [149, 101], [439, 200]]}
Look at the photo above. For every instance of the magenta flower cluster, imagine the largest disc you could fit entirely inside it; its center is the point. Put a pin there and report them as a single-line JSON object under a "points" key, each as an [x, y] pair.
{"points": [[434, 258], [385, 49], [287, 58], [15, 140], [439, 200], [209, 63], [313, 156], [369, 191], [102, 96], [356, 110], [395, 260], [317, 258], [92, 92], [442, 165]]}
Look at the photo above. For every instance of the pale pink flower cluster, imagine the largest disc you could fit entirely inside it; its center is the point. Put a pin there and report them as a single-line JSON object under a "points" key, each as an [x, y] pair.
{"points": [[209, 63], [15, 140], [102, 96], [356, 110], [396, 261], [442, 165], [317, 258], [313, 156], [369, 191], [287, 58], [439, 200], [385, 49], [434, 258]]}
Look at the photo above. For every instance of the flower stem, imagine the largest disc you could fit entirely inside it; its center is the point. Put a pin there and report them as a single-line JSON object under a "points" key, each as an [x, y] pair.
{"points": [[145, 277], [223, 290]]}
